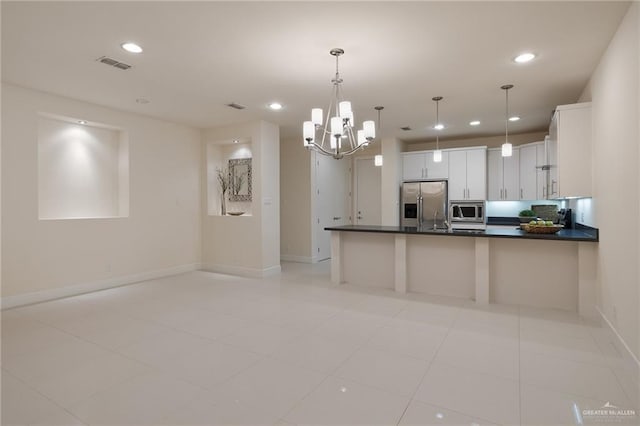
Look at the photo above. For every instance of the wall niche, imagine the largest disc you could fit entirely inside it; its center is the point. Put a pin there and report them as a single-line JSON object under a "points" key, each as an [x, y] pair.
{"points": [[230, 160], [83, 169]]}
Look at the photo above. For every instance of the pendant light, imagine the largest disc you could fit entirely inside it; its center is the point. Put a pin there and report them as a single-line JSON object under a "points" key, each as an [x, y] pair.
{"points": [[437, 154], [377, 160], [507, 148]]}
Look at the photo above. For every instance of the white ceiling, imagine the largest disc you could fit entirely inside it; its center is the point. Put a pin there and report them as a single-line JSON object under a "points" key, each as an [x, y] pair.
{"points": [[199, 56]]}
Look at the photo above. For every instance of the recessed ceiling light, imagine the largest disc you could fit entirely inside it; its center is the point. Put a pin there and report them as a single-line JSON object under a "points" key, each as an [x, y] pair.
{"points": [[275, 105], [439, 126], [82, 122], [236, 141], [514, 118], [524, 57], [131, 47], [474, 123]]}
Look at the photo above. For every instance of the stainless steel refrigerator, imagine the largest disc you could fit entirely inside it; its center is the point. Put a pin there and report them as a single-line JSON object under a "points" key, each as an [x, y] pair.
{"points": [[424, 204]]}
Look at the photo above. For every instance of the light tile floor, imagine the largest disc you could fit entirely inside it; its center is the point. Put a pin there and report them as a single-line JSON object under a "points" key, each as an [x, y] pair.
{"points": [[204, 349]]}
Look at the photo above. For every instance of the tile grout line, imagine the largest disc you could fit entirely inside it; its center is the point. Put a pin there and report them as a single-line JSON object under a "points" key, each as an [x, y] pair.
{"points": [[45, 397], [430, 364], [331, 374], [519, 369]]}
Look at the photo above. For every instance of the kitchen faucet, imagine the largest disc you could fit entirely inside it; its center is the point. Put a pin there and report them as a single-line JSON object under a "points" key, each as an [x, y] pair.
{"points": [[435, 218]]}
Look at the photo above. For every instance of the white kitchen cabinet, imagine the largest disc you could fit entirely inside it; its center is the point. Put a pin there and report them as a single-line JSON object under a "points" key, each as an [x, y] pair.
{"points": [[457, 175], [413, 164], [477, 174], [569, 148], [541, 171], [467, 174], [503, 175], [529, 172], [439, 170], [419, 165]]}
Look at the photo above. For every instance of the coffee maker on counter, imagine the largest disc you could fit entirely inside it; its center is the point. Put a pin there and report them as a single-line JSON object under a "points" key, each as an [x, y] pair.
{"points": [[564, 218]]}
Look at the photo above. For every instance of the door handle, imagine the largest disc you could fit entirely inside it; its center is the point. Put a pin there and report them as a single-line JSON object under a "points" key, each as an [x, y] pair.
{"points": [[501, 190], [337, 218], [505, 194], [521, 193]]}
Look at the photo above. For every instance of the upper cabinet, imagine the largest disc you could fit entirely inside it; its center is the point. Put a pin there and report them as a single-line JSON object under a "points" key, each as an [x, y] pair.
{"points": [[532, 171], [419, 165], [468, 174], [541, 170], [528, 172], [503, 175], [569, 150]]}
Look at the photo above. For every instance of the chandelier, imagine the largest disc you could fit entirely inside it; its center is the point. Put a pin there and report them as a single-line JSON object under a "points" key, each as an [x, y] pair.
{"points": [[338, 135]]}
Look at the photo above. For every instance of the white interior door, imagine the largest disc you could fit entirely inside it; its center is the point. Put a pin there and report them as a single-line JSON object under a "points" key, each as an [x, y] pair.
{"points": [[333, 189], [368, 181]]}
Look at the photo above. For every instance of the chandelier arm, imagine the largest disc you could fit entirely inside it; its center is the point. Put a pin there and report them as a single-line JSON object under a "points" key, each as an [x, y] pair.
{"points": [[326, 129], [357, 148], [353, 141], [324, 151]]}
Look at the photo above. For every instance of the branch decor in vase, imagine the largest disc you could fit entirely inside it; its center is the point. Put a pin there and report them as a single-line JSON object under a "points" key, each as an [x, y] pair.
{"points": [[223, 180]]}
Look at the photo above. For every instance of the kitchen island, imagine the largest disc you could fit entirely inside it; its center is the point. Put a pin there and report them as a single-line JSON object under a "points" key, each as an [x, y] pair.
{"points": [[494, 266]]}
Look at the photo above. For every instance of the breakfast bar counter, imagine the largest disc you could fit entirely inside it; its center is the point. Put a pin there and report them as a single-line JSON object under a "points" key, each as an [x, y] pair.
{"points": [[505, 265], [582, 234]]}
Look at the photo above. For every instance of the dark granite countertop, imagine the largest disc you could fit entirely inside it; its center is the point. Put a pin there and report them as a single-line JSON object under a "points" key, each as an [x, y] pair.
{"points": [[582, 234]]}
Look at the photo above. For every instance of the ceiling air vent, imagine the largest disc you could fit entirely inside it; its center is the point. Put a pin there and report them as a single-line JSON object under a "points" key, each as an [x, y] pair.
{"points": [[112, 62], [405, 128], [236, 106]]}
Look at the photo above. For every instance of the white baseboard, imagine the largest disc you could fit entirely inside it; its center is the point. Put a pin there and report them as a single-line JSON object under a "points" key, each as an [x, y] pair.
{"points": [[297, 259], [619, 337], [74, 290], [242, 270]]}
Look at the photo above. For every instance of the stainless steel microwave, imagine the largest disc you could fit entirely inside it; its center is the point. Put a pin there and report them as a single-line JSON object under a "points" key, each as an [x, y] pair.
{"points": [[467, 213]]}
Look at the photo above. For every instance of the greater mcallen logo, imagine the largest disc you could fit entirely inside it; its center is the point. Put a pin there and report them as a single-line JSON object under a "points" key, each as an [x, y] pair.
{"points": [[609, 411]]}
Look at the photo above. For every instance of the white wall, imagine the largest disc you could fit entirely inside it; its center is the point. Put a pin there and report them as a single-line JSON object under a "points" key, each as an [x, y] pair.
{"points": [[614, 89], [161, 233], [391, 179], [246, 245], [295, 201], [79, 170]]}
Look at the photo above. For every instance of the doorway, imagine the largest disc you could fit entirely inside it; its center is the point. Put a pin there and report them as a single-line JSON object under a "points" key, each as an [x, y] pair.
{"points": [[333, 201], [367, 183]]}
